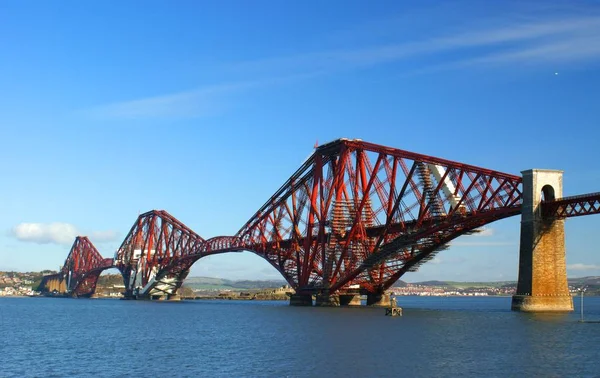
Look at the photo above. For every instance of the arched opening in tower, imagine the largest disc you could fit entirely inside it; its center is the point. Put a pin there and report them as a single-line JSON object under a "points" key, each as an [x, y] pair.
{"points": [[548, 193]]}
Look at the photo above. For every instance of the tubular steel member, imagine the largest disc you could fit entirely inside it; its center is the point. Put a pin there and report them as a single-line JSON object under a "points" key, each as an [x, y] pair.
{"points": [[80, 272], [357, 213], [156, 256]]}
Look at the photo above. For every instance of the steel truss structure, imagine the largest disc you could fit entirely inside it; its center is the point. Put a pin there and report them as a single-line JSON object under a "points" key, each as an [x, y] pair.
{"points": [[574, 206], [357, 213], [81, 269], [354, 216], [156, 255]]}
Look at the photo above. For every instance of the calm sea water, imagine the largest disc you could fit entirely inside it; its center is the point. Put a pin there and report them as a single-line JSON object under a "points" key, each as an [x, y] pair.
{"points": [[436, 337]]}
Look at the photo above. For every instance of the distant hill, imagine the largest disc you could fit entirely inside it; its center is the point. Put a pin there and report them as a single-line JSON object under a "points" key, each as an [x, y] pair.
{"points": [[463, 285], [210, 283], [432, 283], [399, 283], [590, 281], [107, 280], [585, 281]]}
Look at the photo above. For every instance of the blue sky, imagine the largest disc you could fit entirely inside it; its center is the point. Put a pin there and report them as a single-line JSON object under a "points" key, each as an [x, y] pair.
{"points": [[204, 109]]}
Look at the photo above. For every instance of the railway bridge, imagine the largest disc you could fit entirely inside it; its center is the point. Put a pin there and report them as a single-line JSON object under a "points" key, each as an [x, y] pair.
{"points": [[351, 221]]}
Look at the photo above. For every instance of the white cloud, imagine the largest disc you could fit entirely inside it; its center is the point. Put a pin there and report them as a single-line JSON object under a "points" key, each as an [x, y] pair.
{"points": [[580, 267], [56, 233], [484, 231]]}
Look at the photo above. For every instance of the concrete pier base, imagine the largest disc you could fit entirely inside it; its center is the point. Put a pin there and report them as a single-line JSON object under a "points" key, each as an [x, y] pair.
{"points": [[529, 303], [327, 300], [301, 300], [174, 297], [379, 300], [350, 300]]}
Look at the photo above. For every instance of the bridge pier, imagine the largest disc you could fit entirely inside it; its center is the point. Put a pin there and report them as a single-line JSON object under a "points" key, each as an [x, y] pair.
{"points": [[327, 300], [173, 297], [379, 300], [301, 300], [350, 299], [542, 285]]}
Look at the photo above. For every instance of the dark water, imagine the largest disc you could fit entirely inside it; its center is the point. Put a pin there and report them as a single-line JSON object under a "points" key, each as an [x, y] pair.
{"points": [[436, 337]]}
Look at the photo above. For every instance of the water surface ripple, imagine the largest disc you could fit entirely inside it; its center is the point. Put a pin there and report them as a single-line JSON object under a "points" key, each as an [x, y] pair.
{"points": [[436, 337]]}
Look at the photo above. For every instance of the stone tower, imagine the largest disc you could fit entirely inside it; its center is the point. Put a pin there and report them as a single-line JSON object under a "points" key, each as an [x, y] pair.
{"points": [[542, 285]]}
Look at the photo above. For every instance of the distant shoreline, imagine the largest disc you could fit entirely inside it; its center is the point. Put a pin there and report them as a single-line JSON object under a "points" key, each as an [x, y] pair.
{"points": [[399, 297]]}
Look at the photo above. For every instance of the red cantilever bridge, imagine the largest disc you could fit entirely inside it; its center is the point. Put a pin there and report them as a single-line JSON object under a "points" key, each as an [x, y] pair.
{"points": [[351, 220]]}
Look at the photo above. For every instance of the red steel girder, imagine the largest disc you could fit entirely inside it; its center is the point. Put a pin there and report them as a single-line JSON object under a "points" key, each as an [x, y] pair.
{"points": [[574, 206]]}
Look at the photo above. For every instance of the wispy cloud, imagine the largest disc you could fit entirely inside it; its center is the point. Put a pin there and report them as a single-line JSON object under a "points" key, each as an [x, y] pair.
{"points": [[474, 240], [544, 41], [481, 243], [580, 267], [532, 41], [565, 50], [524, 31], [56, 233], [200, 102], [194, 103], [447, 260]]}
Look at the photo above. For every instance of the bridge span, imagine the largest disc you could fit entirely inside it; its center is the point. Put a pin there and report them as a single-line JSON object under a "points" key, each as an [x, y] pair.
{"points": [[351, 221]]}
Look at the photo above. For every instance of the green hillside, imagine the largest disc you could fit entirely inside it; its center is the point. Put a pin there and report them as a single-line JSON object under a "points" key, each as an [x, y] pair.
{"points": [[210, 283]]}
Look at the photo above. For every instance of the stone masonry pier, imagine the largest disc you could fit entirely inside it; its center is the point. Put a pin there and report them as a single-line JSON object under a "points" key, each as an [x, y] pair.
{"points": [[542, 285]]}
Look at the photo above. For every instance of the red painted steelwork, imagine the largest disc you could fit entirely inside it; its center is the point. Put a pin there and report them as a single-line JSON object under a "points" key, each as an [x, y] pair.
{"points": [[83, 267], [360, 213], [219, 244], [354, 213], [566, 207], [158, 247]]}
